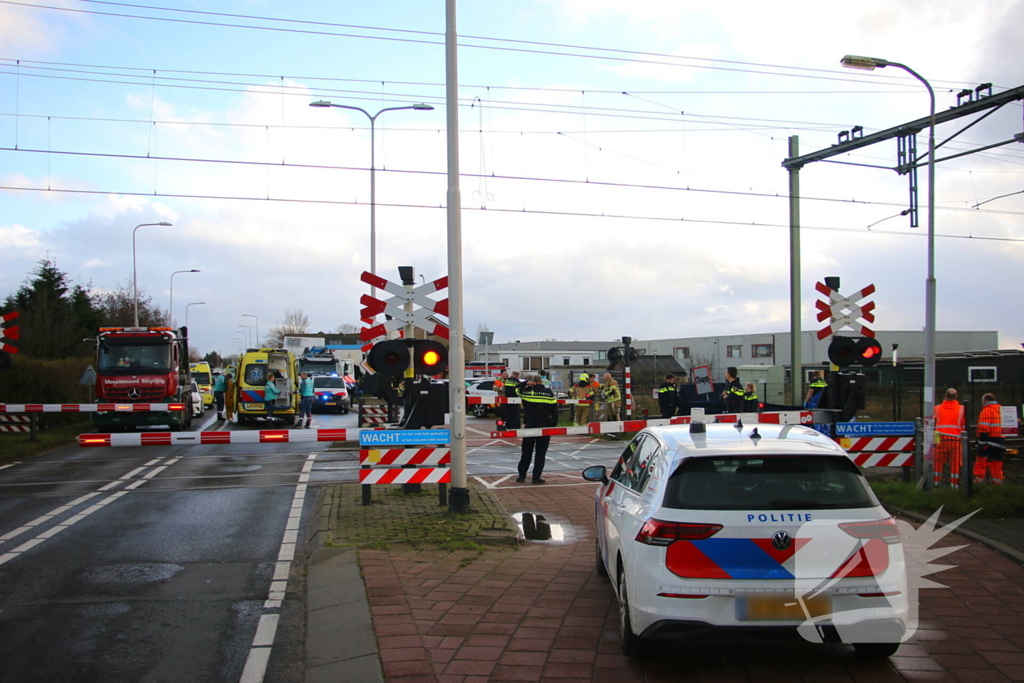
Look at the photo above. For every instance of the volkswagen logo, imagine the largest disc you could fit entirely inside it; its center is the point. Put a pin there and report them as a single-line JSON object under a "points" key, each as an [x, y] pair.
{"points": [[781, 540], [134, 393]]}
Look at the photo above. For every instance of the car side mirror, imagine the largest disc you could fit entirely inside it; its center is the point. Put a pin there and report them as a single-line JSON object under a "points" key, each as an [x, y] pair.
{"points": [[596, 473]]}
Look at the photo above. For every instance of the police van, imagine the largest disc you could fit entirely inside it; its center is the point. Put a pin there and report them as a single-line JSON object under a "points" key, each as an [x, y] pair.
{"points": [[729, 532]]}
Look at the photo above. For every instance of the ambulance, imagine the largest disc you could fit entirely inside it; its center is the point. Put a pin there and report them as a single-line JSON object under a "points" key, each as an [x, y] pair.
{"points": [[254, 368], [203, 376]]}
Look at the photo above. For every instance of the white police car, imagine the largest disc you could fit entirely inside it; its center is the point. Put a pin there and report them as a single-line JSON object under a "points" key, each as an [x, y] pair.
{"points": [[756, 532], [330, 393]]}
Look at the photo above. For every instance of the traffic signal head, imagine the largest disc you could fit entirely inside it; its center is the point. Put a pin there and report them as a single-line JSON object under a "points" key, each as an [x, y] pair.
{"points": [[614, 354], [389, 358], [847, 351], [429, 357]]}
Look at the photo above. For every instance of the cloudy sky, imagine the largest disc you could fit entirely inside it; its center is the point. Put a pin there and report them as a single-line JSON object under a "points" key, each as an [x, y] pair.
{"points": [[621, 161]]}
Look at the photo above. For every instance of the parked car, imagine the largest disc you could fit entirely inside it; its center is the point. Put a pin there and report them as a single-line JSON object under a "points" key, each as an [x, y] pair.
{"points": [[744, 532], [331, 393], [197, 400]]}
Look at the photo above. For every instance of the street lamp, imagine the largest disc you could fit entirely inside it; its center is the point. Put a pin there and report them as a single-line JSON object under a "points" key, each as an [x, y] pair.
{"points": [[373, 169], [248, 338], [170, 308], [250, 315], [869, 64], [187, 306], [904, 212], [135, 277]]}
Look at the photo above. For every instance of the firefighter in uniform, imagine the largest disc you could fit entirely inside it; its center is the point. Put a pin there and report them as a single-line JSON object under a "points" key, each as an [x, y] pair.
{"points": [[949, 425], [540, 409], [668, 397], [510, 386], [582, 391], [991, 444], [733, 393], [612, 397]]}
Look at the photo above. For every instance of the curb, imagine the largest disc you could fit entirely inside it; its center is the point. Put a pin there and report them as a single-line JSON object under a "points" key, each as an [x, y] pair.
{"points": [[1006, 550]]}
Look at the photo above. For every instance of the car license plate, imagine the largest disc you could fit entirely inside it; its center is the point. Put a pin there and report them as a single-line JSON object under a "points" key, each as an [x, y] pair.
{"points": [[781, 607], [332, 403], [254, 406]]}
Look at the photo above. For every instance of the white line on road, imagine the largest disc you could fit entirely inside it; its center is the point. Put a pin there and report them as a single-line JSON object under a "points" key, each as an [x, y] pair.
{"points": [[4, 467], [263, 642]]}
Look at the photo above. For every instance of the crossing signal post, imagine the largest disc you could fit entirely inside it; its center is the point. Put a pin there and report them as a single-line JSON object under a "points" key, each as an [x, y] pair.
{"points": [[844, 352]]}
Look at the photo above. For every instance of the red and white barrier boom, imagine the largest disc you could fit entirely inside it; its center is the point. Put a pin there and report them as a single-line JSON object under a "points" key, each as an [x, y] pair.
{"points": [[90, 407], [786, 417], [405, 466], [880, 451], [476, 400], [211, 438]]}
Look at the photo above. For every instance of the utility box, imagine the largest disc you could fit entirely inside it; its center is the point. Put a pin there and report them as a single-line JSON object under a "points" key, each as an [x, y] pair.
{"points": [[770, 381]]}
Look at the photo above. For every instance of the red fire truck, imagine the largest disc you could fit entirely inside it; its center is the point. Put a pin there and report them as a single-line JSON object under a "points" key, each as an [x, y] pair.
{"points": [[142, 365]]}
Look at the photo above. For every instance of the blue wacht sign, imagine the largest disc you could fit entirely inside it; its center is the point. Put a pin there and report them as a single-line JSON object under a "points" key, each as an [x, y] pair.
{"points": [[404, 437], [874, 429]]}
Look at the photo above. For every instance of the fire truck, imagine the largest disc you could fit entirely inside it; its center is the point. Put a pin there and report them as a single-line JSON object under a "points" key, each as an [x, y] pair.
{"points": [[142, 365]]}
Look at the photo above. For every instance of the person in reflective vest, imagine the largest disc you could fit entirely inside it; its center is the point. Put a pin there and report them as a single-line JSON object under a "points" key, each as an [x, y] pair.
{"points": [[270, 394], [991, 444], [733, 393], [750, 400], [949, 425], [220, 387], [510, 386], [540, 409], [612, 397], [306, 398], [668, 397], [582, 391], [815, 390]]}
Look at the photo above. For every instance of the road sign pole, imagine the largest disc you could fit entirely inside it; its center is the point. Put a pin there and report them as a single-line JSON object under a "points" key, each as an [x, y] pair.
{"points": [[459, 498]]}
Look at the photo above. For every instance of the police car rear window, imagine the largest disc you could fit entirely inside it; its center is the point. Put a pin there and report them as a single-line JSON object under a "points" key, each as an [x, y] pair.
{"points": [[767, 483]]}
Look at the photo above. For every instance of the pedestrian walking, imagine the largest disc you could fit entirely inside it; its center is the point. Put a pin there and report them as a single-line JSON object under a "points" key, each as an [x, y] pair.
{"points": [[750, 400], [733, 393], [949, 425], [306, 398], [991, 444], [540, 409], [582, 391], [220, 387], [668, 396], [270, 394], [612, 396]]}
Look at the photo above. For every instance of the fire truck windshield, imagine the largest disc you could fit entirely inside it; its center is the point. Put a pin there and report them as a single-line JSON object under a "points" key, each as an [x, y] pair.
{"points": [[135, 358]]}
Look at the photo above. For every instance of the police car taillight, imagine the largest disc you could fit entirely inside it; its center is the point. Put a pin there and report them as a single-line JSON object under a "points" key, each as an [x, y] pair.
{"points": [[884, 529], [658, 532]]}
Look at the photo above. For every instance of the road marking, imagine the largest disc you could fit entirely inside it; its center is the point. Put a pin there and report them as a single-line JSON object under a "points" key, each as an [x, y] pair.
{"points": [[266, 631], [4, 467]]}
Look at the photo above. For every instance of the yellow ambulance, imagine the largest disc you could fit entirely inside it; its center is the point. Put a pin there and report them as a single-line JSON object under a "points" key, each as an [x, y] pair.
{"points": [[203, 375], [254, 368]]}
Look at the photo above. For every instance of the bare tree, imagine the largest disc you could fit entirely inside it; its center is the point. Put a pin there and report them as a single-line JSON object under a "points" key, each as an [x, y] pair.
{"points": [[295, 322], [347, 328]]}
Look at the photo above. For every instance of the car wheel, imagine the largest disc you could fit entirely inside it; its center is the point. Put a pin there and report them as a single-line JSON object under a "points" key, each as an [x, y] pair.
{"points": [[601, 569], [632, 644], [479, 411], [876, 650]]}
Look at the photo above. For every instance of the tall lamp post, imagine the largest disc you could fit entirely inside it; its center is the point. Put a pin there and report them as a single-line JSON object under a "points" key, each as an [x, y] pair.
{"points": [[170, 308], [249, 337], [135, 276], [373, 168], [187, 306], [870, 64], [250, 315]]}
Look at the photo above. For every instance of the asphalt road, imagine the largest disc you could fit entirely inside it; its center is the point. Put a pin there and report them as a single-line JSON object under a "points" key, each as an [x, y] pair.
{"points": [[174, 563]]}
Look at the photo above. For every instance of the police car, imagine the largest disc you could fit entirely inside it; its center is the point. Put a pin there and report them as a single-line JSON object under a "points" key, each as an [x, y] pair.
{"points": [[730, 532], [331, 393]]}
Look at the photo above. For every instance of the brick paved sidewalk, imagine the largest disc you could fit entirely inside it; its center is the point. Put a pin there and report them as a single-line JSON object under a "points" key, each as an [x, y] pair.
{"points": [[541, 613]]}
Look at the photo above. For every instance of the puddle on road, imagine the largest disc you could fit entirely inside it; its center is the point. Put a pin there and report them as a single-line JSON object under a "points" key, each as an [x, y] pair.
{"points": [[122, 575], [536, 528]]}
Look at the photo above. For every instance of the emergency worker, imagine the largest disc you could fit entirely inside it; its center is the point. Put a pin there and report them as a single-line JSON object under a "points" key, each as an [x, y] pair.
{"points": [[510, 414], [220, 387], [612, 397], [306, 398], [949, 425], [668, 397], [270, 394], [540, 409], [229, 395], [991, 444], [733, 393], [815, 390], [750, 399], [582, 391]]}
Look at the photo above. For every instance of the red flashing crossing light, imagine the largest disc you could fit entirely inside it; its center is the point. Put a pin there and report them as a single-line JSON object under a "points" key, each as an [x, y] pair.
{"points": [[846, 351], [389, 358], [429, 357]]}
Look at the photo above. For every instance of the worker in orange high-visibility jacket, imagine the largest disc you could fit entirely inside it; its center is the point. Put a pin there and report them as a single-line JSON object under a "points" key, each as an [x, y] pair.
{"points": [[949, 425], [991, 444]]}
